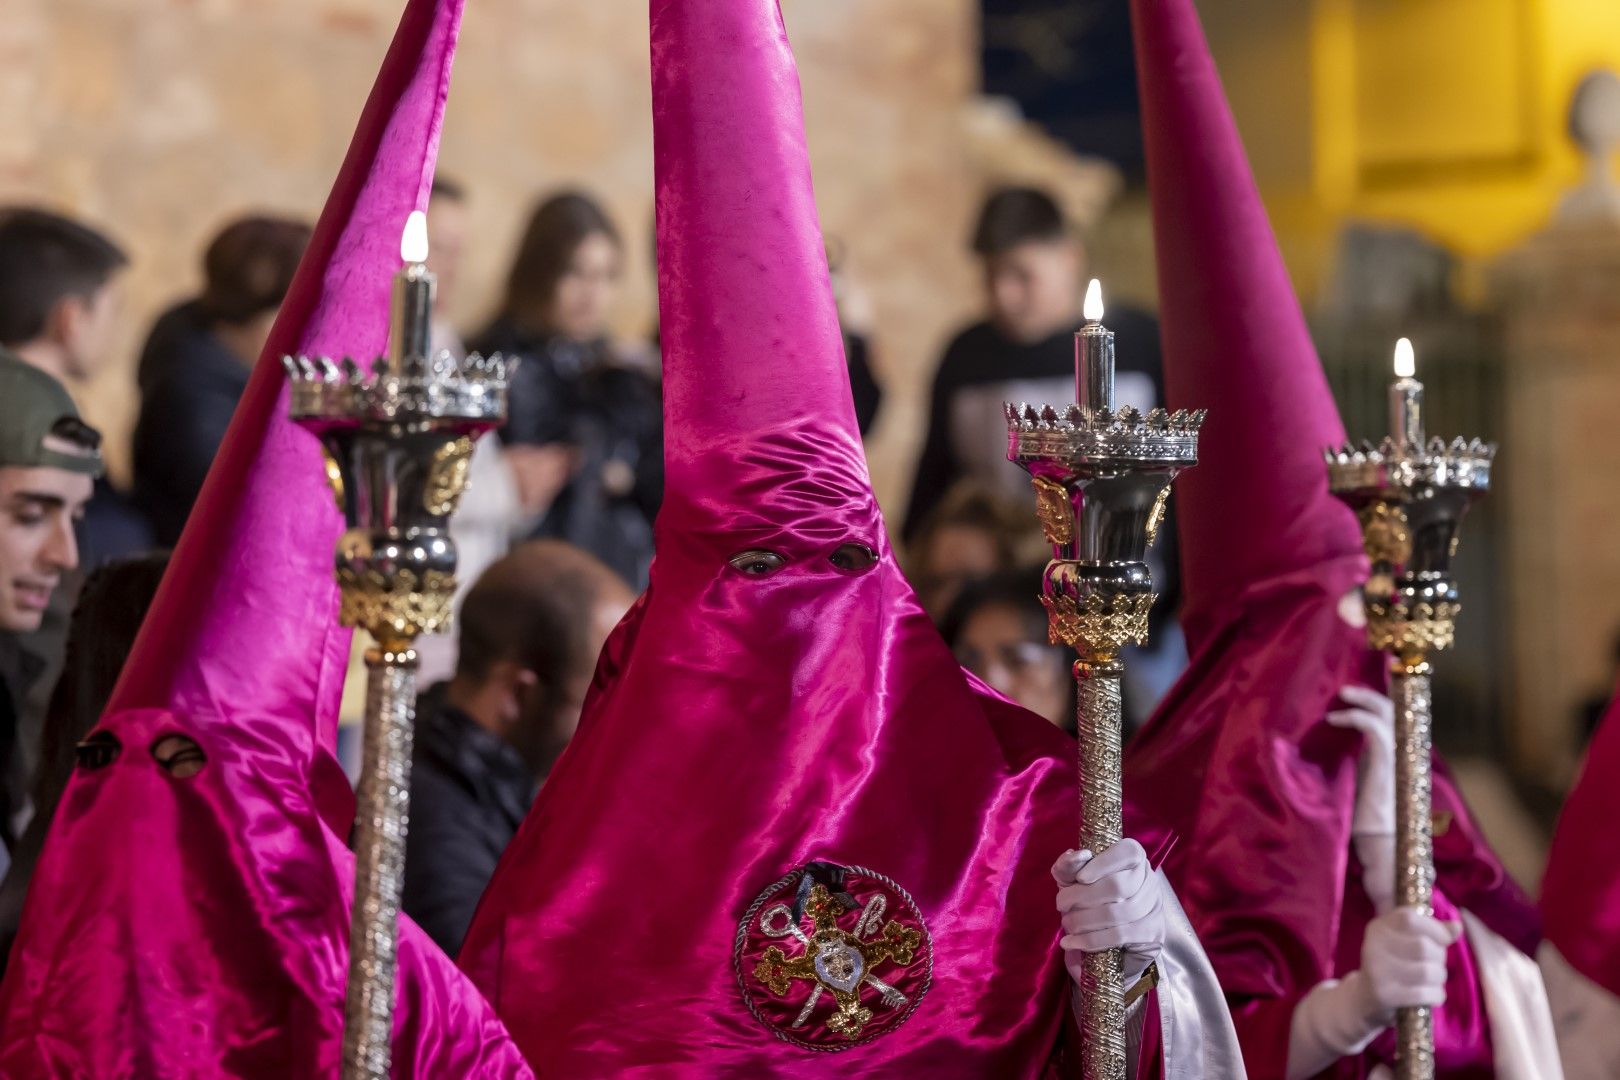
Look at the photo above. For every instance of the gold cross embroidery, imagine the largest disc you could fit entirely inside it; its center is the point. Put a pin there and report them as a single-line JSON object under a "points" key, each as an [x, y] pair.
{"points": [[838, 962]]}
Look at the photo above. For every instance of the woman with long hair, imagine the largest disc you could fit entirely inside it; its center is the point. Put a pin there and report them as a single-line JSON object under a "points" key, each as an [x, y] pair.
{"points": [[573, 391]]}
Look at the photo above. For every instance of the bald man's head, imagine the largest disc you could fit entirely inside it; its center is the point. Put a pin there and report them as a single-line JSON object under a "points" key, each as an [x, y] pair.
{"points": [[535, 621]]}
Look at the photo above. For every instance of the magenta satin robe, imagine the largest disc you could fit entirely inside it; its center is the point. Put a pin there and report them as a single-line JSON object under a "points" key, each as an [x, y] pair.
{"points": [[1580, 892], [741, 727], [1239, 758], [198, 927]]}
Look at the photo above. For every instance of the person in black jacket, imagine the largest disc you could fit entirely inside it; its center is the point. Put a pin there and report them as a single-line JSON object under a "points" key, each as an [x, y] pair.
{"points": [[1034, 273], [196, 361], [531, 629], [574, 392]]}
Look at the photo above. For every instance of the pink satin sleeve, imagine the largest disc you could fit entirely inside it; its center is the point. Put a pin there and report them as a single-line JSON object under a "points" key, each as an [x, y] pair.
{"points": [[1580, 892], [1263, 1026]]}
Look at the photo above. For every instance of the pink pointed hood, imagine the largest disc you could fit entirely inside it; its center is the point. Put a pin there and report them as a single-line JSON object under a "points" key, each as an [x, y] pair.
{"points": [[1267, 552], [198, 926], [1580, 892], [1256, 509], [777, 698], [756, 387], [1239, 759]]}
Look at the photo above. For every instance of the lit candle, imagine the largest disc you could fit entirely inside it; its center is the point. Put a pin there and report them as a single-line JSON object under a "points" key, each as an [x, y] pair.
{"points": [[410, 332], [1406, 400], [1094, 355]]}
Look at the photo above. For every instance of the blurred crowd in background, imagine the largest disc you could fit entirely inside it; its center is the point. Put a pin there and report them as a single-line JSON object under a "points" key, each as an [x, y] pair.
{"points": [[555, 533]]}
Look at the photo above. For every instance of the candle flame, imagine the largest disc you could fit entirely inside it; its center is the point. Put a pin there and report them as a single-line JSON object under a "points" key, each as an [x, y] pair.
{"points": [[413, 246], [1093, 309], [1405, 359]]}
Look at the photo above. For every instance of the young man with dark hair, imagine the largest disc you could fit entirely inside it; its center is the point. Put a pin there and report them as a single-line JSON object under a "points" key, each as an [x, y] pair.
{"points": [[59, 294], [531, 629], [1034, 266], [49, 460], [196, 361], [61, 297]]}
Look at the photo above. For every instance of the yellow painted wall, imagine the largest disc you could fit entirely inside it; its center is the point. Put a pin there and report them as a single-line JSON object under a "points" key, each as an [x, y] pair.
{"points": [[1445, 115]]}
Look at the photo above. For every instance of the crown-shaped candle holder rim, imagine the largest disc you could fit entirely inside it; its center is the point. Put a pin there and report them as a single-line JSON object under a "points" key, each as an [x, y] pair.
{"points": [[443, 365], [1157, 439], [1126, 421], [1386, 467], [440, 388]]}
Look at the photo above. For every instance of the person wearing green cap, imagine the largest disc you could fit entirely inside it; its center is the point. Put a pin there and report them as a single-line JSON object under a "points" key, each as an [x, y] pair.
{"points": [[49, 460], [60, 311]]}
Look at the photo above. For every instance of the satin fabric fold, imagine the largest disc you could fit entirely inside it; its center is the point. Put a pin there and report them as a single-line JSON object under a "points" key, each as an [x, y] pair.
{"points": [[1524, 1043], [1580, 891], [198, 926], [1239, 758], [1472, 874], [699, 776], [1197, 1041], [213, 943], [741, 727]]}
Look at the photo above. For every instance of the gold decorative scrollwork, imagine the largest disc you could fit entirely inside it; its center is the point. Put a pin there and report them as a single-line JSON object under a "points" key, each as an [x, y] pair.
{"points": [[1385, 534], [1054, 510], [447, 476], [1097, 627], [1156, 515], [396, 608], [840, 962], [1411, 631]]}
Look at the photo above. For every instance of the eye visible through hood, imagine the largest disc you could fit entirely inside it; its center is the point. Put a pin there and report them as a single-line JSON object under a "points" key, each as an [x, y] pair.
{"points": [[758, 562], [97, 750], [850, 558], [179, 755], [854, 558]]}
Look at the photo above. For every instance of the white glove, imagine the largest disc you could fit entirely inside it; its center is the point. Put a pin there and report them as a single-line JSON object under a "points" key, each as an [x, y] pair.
{"points": [[1112, 901], [1403, 962], [1372, 829], [1372, 714]]}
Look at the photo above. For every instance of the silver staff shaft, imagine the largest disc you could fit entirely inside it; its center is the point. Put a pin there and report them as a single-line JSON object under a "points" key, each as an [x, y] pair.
{"points": [[382, 816], [1414, 847], [1102, 825]]}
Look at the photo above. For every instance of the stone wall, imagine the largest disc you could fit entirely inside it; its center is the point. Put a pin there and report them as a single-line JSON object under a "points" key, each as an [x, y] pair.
{"points": [[160, 119], [1559, 295]]}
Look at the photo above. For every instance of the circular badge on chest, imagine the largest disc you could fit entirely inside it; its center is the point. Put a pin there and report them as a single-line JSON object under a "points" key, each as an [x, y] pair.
{"points": [[829, 957]]}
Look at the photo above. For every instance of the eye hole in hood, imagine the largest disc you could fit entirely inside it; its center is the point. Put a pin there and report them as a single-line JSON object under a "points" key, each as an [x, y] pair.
{"points": [[757, 562], [97, 750], [853, 558], [179, 755]]}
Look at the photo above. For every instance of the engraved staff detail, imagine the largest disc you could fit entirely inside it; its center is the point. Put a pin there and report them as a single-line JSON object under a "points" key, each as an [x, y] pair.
{"points": [[1101, 479], [397, 439], [1410, 498], [1102, 980]]}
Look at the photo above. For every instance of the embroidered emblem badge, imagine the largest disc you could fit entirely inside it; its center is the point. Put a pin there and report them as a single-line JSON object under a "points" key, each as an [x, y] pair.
{"points": [[830, 956]]}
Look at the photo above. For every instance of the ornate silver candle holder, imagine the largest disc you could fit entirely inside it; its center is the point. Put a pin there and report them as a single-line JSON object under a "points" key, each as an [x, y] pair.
{"points": [[1410, 499], [398, 442], [1102, 480]]}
